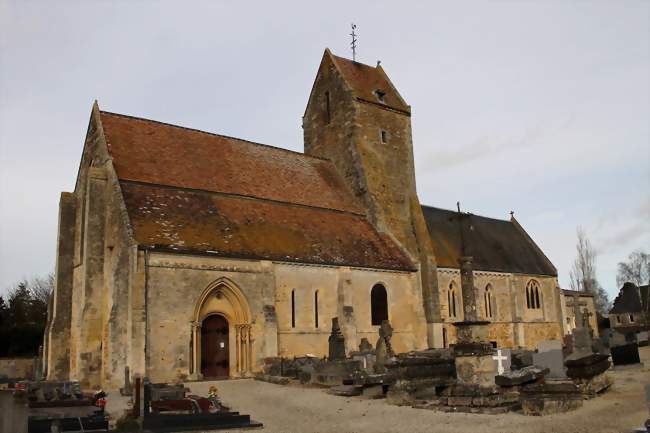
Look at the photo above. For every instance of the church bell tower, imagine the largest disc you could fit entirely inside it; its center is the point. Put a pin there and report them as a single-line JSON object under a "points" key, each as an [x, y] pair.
{"points": [[356, 118]]}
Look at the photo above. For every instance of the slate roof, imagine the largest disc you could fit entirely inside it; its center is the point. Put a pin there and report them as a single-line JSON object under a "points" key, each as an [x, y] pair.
{"points": [[191, 191], [631, 299], [365, 80], [496, 245]]}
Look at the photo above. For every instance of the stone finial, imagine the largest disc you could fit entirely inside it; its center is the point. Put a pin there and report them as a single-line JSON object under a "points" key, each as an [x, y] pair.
{"points": [[365, 346]]}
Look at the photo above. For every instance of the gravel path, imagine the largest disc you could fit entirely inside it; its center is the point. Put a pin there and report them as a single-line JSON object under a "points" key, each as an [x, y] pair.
{"points": [[303, 410]]}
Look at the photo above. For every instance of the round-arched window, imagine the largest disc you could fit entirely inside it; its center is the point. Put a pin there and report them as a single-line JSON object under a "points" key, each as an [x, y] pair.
{"points": [[378, 304]]}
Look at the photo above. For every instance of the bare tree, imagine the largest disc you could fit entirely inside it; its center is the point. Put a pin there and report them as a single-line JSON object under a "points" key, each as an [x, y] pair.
{"points": [[42, 288], [635, 270], [583, 273]]}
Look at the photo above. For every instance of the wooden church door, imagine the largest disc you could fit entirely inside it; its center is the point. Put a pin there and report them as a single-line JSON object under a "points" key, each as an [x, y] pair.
{"points": [[214, 347]]}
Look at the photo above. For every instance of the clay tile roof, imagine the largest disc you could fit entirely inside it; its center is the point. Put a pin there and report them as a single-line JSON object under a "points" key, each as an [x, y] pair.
{"points": [[158, 153], [239, 227], [366, 80], [192, 191], [496, 245]]}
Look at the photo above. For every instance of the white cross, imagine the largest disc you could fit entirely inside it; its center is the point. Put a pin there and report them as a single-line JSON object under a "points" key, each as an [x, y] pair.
{"points": [[498, 358]]}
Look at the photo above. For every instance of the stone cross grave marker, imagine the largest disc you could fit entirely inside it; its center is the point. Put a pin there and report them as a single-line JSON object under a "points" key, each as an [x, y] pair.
{"points": [[581, 333], [576, 303], [384, 349], [502, 360]]}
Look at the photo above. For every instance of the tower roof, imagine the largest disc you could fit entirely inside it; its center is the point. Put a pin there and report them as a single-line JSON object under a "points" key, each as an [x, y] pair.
{"points": [[370, 83]]}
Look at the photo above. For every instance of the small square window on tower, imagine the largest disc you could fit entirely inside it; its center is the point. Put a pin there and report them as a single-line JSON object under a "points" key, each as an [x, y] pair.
{"points": [[384, 136], [380, 95]]}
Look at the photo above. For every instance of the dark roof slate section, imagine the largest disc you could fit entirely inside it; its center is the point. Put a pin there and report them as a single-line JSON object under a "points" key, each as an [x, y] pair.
{"points": [[365, 80], [226, 225], [159, 153], [496, 245], [631, 299]]}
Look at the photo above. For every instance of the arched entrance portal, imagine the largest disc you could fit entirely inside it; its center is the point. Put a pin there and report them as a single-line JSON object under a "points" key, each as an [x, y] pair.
{"points": [[215, 360], [221, 340]]}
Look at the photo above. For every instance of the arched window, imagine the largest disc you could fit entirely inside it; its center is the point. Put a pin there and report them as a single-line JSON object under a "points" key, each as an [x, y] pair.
{"points": [[451, 300], [293, 308], [378, 304], [532, 295], [316, 308], [444, 337], [488, 301]]}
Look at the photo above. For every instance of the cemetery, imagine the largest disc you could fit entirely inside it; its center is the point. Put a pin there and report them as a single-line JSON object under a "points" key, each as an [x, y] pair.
{"points": [[469, 377]]}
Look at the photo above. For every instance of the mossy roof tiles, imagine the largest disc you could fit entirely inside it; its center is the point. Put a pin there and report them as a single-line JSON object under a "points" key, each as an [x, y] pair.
{"points": [[240, 227], [196, 192]]}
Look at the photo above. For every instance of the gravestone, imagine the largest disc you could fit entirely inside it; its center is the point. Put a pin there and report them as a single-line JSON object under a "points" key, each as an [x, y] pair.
{"points": [[365, 355], [642, 338], [553, 360], [547, 345], [502, 360], [521, 358], [365, 346], [384, 348], [617, 339], [625, 354], [128, 389], [336, 342]]}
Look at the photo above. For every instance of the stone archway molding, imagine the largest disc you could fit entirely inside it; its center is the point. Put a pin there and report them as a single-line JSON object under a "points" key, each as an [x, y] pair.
{"points": [[239, 317]]}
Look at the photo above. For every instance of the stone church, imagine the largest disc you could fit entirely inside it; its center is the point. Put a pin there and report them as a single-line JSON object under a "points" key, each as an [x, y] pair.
{"points": [[184, 254]]}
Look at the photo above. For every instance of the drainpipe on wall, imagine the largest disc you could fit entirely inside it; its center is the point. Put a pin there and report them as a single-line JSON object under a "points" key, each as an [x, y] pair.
{"points": [[146, 313]]}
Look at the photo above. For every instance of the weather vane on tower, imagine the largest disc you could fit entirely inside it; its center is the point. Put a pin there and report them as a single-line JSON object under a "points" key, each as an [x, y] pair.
{"points": [[354, 43]]}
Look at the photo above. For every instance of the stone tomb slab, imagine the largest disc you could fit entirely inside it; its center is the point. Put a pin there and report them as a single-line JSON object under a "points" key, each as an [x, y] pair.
{"points": [[553, 360]]}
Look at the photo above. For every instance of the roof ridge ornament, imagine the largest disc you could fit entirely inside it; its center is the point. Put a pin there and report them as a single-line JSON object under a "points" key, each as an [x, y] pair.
{"points": [[353, 44]]}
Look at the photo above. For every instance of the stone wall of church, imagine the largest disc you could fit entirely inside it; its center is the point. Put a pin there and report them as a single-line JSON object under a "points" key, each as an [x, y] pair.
{"points": [[513, 324], [344, 292], [175, 283], [58, 347], [90, 332]]}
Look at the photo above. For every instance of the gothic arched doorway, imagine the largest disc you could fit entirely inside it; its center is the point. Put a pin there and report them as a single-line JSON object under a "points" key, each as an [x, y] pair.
{"points": [[215, 354], [221, 316]]}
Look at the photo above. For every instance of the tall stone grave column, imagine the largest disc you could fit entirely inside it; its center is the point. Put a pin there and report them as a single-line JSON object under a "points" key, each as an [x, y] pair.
{"points": [[336, 342], [474, 363]]}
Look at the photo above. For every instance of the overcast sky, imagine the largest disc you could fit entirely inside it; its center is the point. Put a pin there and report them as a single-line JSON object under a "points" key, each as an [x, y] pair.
{"points": [[540, 107]]}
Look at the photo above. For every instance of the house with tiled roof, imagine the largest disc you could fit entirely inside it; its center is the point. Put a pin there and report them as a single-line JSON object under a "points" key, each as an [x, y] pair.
{"points": [[185, 254], [631, 309]]}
